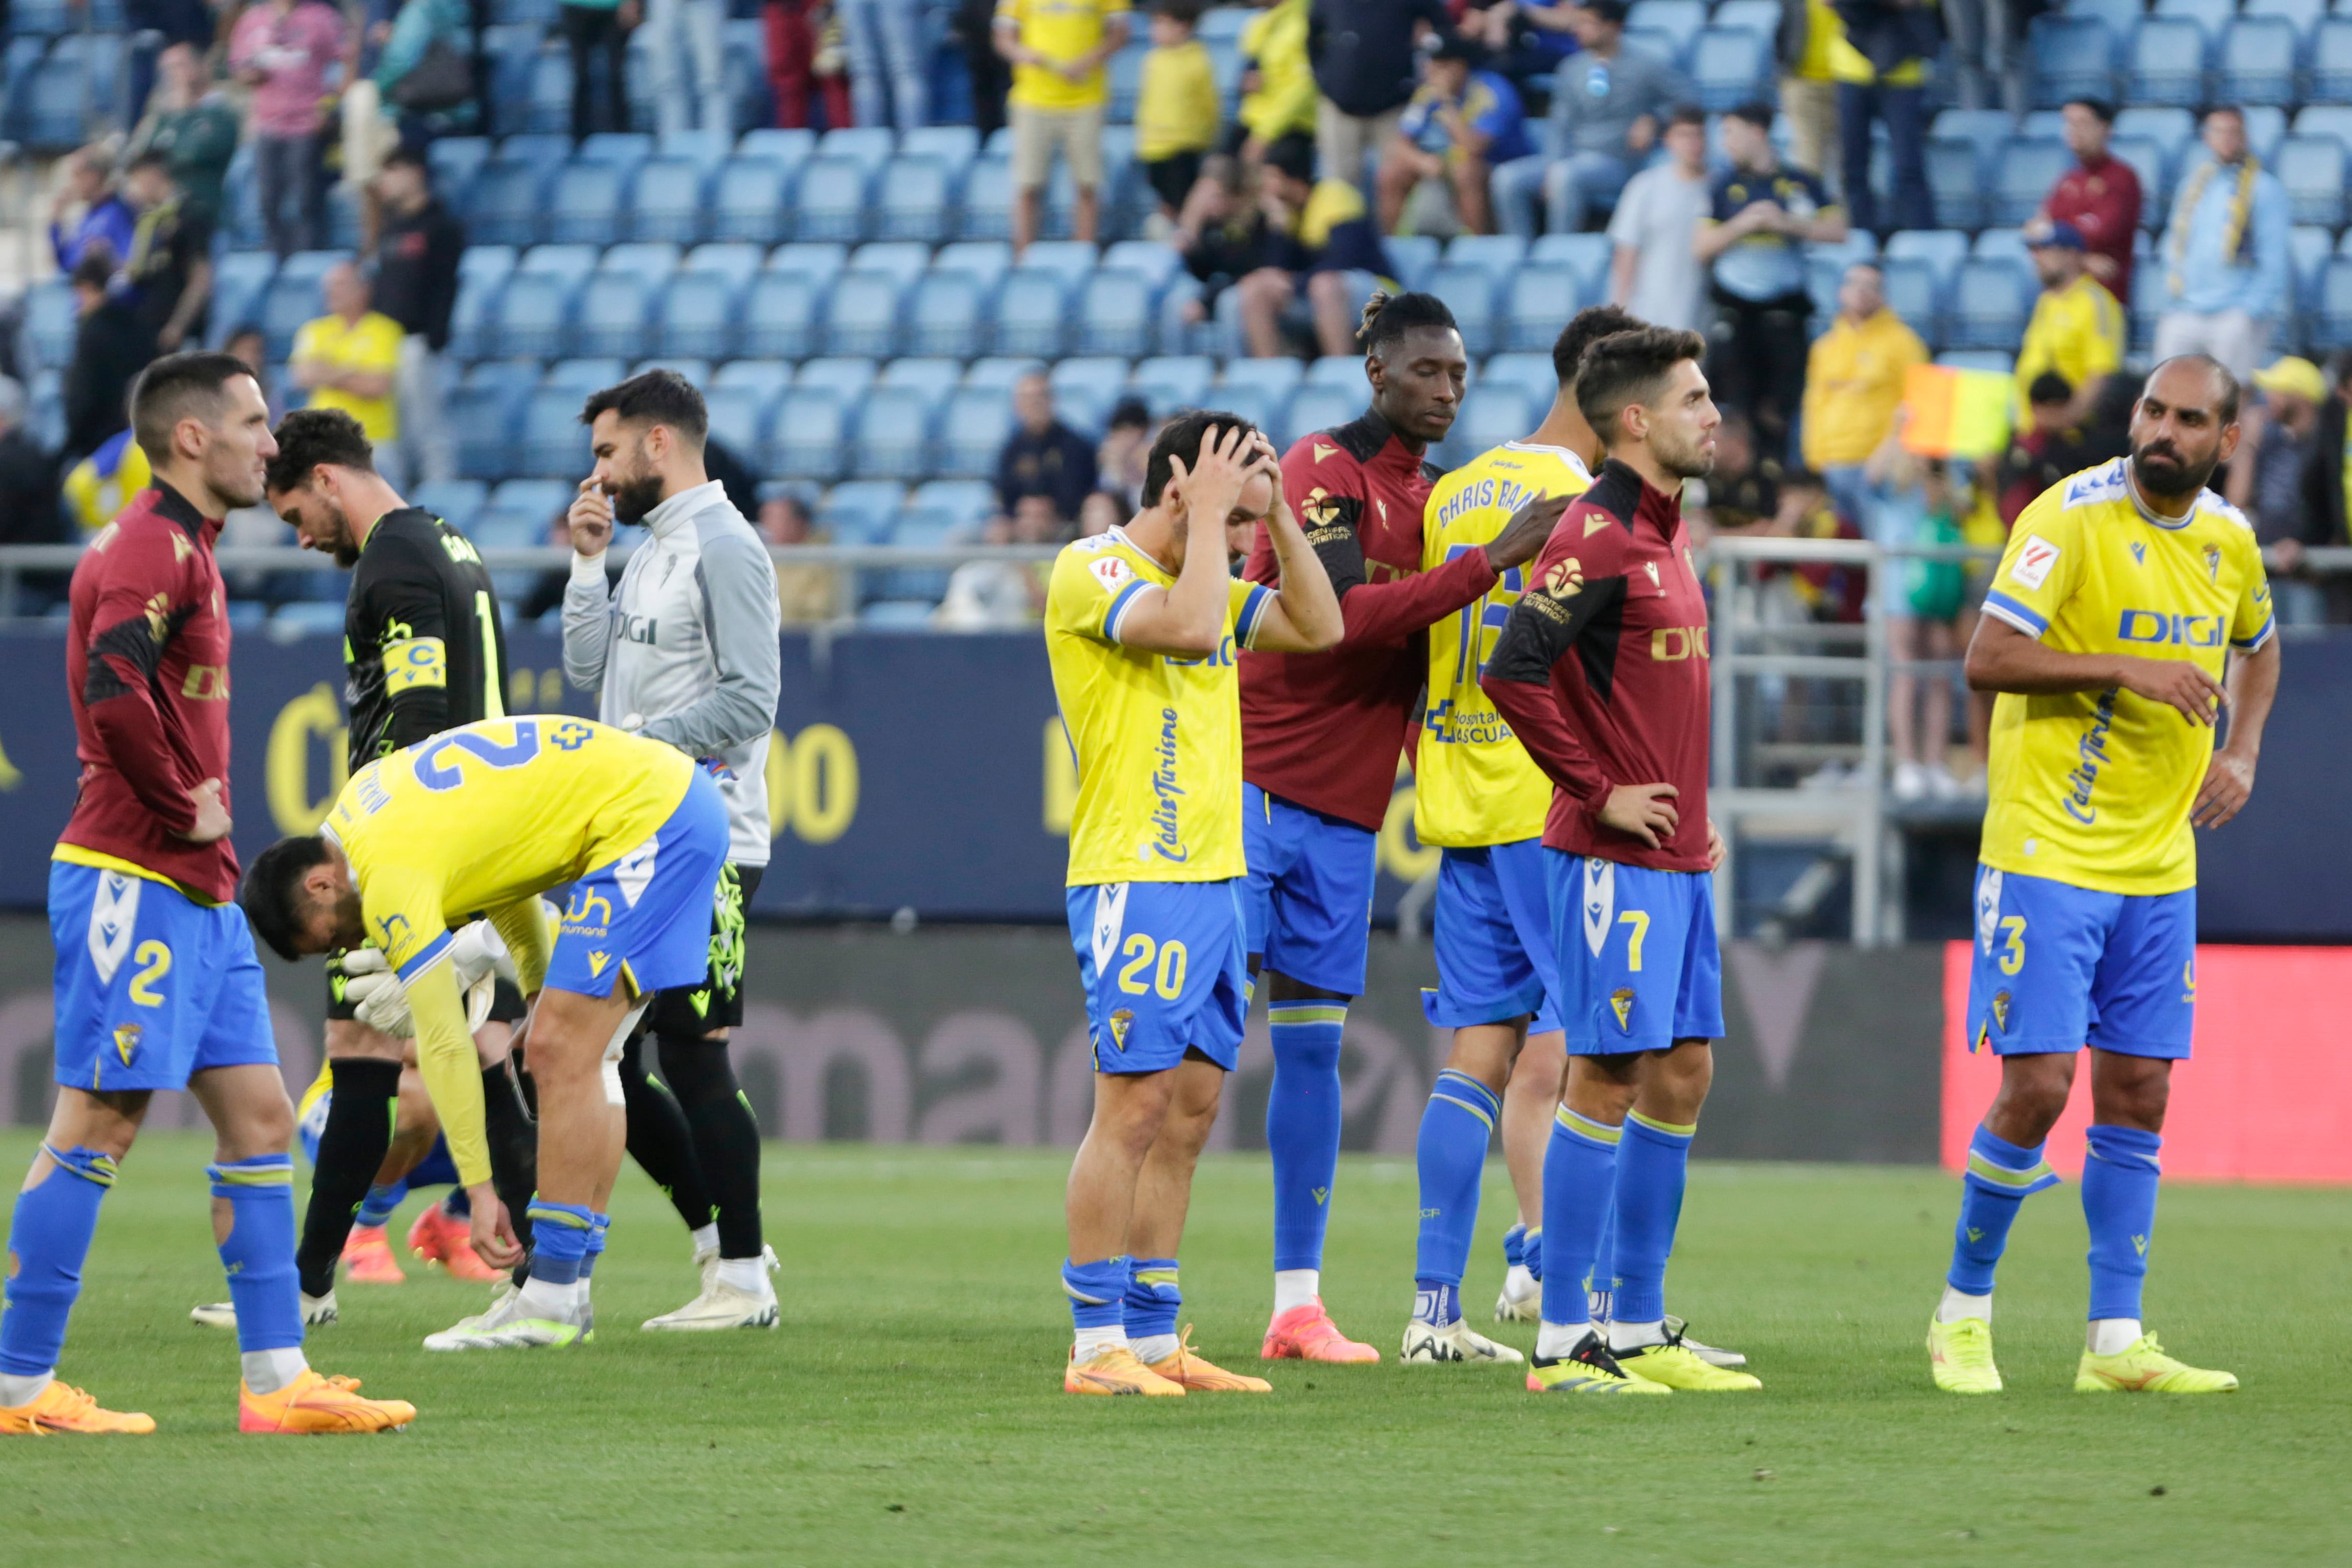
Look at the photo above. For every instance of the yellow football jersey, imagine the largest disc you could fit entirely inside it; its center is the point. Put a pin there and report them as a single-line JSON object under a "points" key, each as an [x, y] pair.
{"points": [[2092, 788], [486, 815], [1474, 783], [1157, 739]]}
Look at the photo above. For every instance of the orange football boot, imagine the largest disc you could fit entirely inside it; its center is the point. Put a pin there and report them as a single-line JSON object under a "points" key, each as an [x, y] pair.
{"points": [[368, 1260], [1115, 1370], [311, 1403], [1308, 1334], [441, 1238], [60, 1408], [1201, 1376]]}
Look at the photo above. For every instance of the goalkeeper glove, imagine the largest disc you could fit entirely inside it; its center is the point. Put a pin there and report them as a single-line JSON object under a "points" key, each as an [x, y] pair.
{"points": [[380, 1002]]}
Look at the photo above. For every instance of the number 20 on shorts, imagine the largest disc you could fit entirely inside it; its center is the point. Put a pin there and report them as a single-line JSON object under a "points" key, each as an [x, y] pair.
{"points": [[1137, 976]]}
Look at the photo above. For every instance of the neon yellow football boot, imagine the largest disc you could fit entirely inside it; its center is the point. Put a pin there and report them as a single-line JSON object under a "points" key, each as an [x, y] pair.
{"points": [[1960, 1355], [1676, 1365], [2142, 1367], [1587, 1369]]}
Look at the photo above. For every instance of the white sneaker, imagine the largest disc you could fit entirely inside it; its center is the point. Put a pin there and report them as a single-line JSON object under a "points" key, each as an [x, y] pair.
{"points": [[1942, 785], [506, 1327], [1522, 1308], [316, 1310], [725, 1306], [1457, 1341], [1911, 781]]}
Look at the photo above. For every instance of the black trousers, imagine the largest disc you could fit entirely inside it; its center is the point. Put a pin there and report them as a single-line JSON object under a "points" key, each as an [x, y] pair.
{"points": [[591, 29], [1756, 363]]}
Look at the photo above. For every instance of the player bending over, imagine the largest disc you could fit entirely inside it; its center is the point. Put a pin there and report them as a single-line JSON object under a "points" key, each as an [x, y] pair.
{"points": [[1602, 673], [157, 983], [2106, 633], [486, 818], [1321, 738], [1140, 627]]}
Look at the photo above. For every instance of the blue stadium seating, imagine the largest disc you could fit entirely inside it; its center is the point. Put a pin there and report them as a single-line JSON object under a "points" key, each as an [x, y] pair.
{"points": [[843, 376], [651, 261], [1112, 314], [706, 150], [1126, 77], [1174, 381], [1154, 260], [2312, 170], [454, 160], [666, 200], [893, 434], [780, 312], [903, 261], [2211, 16], [2166, 61], [1314, 407], [984, 261], [749, 200], [1530, 373], [46, 109], [2331, 324], [2331, 60], [1990, 299], [820, 260], [1001, 370], [2028, 170], [2169, 127], [807, 437], [1678, 18], [870, 146], [2147, 161], [1729, 66], [966, 501], [609, 316], [860, 511], [988, 198], [732, 259], [863, 318], [1539, 300], [552, 440], [829, 202], [584, 374], [1493, 413], [484, 410], [454, 501], [2069, 57], [1085, 388], [917, 200], [696, 316], [1660, 45], [2258, 61], [972, 430], [897, 614], [51, 320], [944, 315], [531, 316], [2303, 14], [1414, 256], [1955, 181], [506, 201], [1469, 291], [1758, 15], [1587, 254], [764, 379], [934, 376], [1941, 250], [1916, 293], [1030, 308]]}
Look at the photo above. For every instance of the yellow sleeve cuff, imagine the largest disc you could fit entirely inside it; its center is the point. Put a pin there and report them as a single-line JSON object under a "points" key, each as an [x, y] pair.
{"points": [[445, 1056]]}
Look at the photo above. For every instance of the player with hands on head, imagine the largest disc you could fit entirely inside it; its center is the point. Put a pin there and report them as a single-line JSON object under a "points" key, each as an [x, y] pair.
{"points": [[2129, 612], [1141, 626]]}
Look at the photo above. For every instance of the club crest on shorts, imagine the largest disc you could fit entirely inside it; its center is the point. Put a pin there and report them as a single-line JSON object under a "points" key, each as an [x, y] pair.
{"points": [[1988, 908], [2000, 1010], [1122, 1019], [1621, 1002], [1600, 906], [126, 1041]]}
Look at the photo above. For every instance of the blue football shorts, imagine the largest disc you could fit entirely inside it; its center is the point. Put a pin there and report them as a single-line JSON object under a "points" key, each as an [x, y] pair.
{"points": [[1494, 957], [1309, 899], [151, 986], [1163, 969], [648, 914], [1638, 964], [2057, 967]]}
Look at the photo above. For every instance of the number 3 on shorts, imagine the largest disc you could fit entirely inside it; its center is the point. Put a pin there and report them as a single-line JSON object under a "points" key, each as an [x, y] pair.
{"points": [[1168, 979], [2013, 952]]}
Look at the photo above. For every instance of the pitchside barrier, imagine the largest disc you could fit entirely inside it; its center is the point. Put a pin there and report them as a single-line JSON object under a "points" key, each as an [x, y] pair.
{"points": [[977, 1036]]}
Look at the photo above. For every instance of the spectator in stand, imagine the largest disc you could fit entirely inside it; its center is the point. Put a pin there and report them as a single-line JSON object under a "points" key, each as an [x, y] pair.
{"points": [[101, 484], [990, 72], [805, 596], [247, 343], [1043, 456], [169, 270], [1461, 123], [423, 84], [2077, 328], [282, 49], [1606, 108], [1312, 234], [794, 33], [111, 346], [1853, 384], [2046, 452], [987, 595], [350, 359], [188, 22], [1525, 42], [1912, 501], [2100, 196], [1985, 35], [1175, 105], [1278, 91], [1126, 449], [1060, 93], [89, 212], [2327, 487], [2224, 253], [1363, 52], [1881, 68], [676, 29], [594, 27], [1808, 32], [887, 61], [28, 479], [1654, 272], [195, 129], [416, 260], [1763, 217], [2279, 432], [1101, 512], [1743, 492]]}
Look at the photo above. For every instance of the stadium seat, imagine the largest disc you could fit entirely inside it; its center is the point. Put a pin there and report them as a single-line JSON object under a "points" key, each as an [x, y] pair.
{"points": [[2265, 128], [1084, 389], [548, 108], [584, 374], [1990, 299], [695, 371], [954, 145], [1998, 360], [454, 501], [650, 261], [988, 198], [819, 260], [790, 148], [2331, 60], [984, 261], [1126, 75], [732, 259], [2312, 170], [780, 315], [570, 263], [2308, 248], [1069, 259], [863, 318], [696, 316], [506, 202], [1538, 302], [1495, 254], [860, 511], [2027, 169], [1528, 373], [1915, 293], [2069, 57], [1587, 254], [2326, 120], [52, 319], [1469, 291], [916, 528], [1154, 260], [843, 376], [1030, 307], [829, 202], [894, 435], [2211, 16], [706, 150], [1112, 314], [932, 376], [483, 411], [666, 200], [47, 110], [1491, 414], [2304, 14], [553, 441], [807, 435], [288, 302], [1979, 127], [903, 261], [1414, 256], [1273, 378], [751, 200], [897, 614], [764, 379], [2166, 61], [870, 146], [454, 160], [2148, 161], [1941, 250], [2148, 301], [623, 149], [967, 501], [307, 618], [2170, 127], [1682, 18], [610, 316], [915, 200], [972, 430], [1312, 408], [1344, 371], [469, 319], [2331, 323], [484, 263], [1757, 16], [1174, 381], [944, 314], [1670, 48], [1729, 66], [2257, 61], [239, 278], [1955, 181], [1001, 370]]}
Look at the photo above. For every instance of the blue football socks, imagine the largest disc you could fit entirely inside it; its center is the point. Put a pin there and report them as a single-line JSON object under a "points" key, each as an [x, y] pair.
{"points": [[1652, 1166], [1515, 1247], [1532, 1254], [561, 1234], [48, 1240], [376, 1209], [601, 1223], [1455, 1129], [1148, 1309], [1302, 1125], [1098, 1293], [2000, 1175], [2119, 1201], [258, 1251], [1580, 1179], [1603, 1279]]}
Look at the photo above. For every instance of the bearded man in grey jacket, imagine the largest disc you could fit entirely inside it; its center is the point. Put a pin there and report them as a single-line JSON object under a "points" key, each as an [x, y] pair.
{"points": [[684, 650]]}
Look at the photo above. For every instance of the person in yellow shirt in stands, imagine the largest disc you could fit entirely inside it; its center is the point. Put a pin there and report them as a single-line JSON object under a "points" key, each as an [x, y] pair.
{"points": [[1059, 92], [1853, 382], [1278, 86], [1176, 105], [349, 359], [2077, 330], [1808, 31]]}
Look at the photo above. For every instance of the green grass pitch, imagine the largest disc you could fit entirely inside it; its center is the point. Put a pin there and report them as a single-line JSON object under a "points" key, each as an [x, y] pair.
{"points": [[910, 1409]]}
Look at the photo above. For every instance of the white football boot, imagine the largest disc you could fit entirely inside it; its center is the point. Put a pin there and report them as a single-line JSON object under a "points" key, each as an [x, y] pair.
{"points": [[1457, 1341], [316, 1310], [724, 1306]]}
